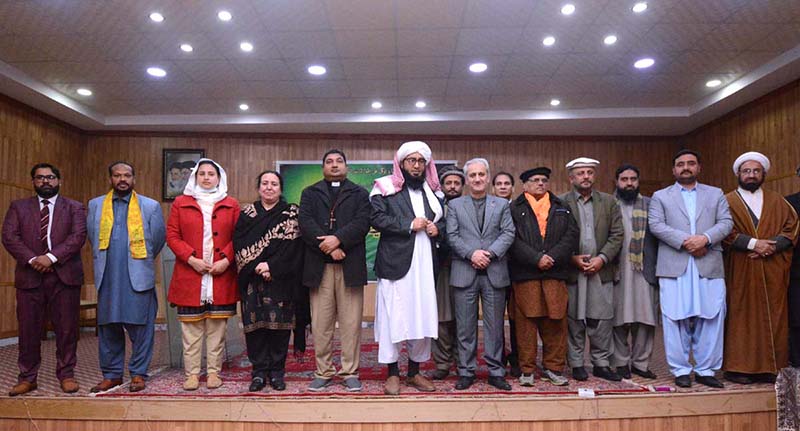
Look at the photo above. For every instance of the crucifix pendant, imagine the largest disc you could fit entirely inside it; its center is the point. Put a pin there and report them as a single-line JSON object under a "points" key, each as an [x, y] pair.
{"points": [[332, 221]]}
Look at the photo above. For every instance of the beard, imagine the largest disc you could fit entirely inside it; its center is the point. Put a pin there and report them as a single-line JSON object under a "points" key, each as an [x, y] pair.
{"points": [[123, 193], [452, 194], [627, 195], [47, 191], [413, 182], [751, 187]]}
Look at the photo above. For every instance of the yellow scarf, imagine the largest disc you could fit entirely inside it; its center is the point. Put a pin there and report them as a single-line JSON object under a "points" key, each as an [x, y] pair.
{"points": [[135, 225], [541, 209]]}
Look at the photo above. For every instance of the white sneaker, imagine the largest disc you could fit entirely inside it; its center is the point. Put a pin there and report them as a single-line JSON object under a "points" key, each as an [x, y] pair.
{"points": [[526, 379], [554, 378]]}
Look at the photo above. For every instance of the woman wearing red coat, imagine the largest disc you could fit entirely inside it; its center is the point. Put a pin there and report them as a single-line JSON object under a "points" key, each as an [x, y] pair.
{"points": [[203, 286]]}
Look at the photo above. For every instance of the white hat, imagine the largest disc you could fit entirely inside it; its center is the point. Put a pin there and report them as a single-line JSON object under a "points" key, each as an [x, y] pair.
{"points": [[582, 162], [754, 156]]}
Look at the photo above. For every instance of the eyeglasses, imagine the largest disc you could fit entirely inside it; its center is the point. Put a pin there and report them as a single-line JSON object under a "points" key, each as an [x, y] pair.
{"points": [[748, 171], [44, 177], [539, 180], [412, 162]]}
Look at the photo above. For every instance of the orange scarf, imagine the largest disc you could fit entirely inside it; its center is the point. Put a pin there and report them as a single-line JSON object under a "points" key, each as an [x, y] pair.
{"points": [[541, 209]]}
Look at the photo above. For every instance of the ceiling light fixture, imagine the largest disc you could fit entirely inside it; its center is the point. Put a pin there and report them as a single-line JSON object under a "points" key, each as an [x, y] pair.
{"points": [[568, 9], [644, 63], [713, 83], [639, 7], [156, 17], [420, 104], [244, 107], [185, 47], [246, 46], [549, 41], [317, 70], [84, 92], [610, 39], [224, 15], [157, 72], [555, 102], [377, 105], [478, 67]]}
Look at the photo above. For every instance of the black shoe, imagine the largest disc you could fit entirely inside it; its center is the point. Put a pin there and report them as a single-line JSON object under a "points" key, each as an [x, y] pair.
{"points": [[647, 374], [740, 378], [709, 381], [499, 383], [440, 374], [765, 378], [464, 382], [624, 372], [515, 371], [606, 373], [580, 374], [277, 383], [684, 381], [257, 384]]}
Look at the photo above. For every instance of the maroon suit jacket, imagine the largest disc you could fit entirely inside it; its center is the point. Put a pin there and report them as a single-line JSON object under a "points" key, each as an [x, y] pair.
{"points": [[67, 235]]}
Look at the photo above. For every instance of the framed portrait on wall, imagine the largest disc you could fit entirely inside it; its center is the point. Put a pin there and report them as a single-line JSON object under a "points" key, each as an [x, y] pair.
{"points": [[178, 164]]}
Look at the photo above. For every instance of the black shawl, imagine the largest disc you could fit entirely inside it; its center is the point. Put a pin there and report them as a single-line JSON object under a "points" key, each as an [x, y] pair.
{"points": [[274, 237]]}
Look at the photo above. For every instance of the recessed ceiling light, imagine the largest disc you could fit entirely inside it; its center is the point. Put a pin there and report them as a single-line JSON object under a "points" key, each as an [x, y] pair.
{"points": [[610, 39], [156, 17], [317, 70], [639, 7], [713, 83], [549, 41], [84, 91], [157, 72], [246, 46], [478, 67], [644, 63], [568, 9], [185, 47], [224, 15], [244, 107], [377, 105], [420, 104], [555, 102]]}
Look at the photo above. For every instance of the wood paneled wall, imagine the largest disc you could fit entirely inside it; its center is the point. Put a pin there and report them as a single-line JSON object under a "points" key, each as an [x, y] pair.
{"points": [[28, 137], [770, 125]]}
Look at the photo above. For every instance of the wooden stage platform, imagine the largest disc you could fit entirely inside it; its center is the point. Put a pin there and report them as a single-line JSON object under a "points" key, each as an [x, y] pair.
{"points": [[720, 410]]}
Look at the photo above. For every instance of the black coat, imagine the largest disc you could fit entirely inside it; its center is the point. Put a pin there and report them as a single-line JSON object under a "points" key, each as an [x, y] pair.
{"points": [[392, 216], [352, 214], [560, 242], [794, 278]]}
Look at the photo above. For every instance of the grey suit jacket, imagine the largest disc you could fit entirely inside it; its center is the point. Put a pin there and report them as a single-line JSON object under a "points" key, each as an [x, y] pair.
{"points": [[669, 222], [464, 238], [142, 271]]}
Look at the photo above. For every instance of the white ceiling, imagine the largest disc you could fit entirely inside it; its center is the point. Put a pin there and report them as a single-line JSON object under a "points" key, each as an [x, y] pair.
{"points": [[397, 52]]}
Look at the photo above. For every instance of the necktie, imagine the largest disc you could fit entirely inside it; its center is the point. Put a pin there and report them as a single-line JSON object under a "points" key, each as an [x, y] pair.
{"points": [[45, 213]]}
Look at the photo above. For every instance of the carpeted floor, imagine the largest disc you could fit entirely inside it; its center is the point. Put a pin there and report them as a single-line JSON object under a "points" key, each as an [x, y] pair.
{"points": [[236, 374]]}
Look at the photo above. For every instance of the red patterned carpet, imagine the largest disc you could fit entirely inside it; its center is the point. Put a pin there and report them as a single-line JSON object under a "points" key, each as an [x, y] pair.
{"points": [[165, 382]]}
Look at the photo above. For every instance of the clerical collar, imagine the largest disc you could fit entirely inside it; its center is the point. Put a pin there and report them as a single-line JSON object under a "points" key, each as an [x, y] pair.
{"points": [[334, 183]]}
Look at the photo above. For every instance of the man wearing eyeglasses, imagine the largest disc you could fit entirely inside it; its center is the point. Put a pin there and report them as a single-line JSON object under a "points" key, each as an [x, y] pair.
{"points": [[758, 257], [44, 234]]}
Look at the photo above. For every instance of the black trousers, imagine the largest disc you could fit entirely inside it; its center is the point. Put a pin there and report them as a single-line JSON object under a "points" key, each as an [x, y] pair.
{"points": [[794, 346], [266, 349]]}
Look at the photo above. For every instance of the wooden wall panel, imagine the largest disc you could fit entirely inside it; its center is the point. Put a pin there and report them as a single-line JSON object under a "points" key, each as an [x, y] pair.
{"points": [[770, 125]]}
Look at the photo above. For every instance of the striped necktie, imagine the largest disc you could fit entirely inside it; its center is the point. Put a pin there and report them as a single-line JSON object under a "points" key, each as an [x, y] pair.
{"points": [[45, 213]]}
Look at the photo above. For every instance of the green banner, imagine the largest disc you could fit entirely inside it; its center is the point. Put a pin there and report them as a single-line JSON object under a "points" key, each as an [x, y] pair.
{"points": [[297, 175]]}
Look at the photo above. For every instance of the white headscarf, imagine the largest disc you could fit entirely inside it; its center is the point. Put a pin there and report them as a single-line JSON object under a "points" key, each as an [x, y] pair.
{"points": [[215, 195], [206, 199]]}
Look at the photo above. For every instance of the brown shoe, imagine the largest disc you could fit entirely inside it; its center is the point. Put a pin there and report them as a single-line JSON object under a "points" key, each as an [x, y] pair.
{"points": [[392, 386], [70, 385], [420, 383], [137, 384], [22, 387], [105, 385]]}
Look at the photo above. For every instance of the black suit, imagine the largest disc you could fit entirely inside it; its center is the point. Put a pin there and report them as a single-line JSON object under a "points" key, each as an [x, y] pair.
{"points": [[352, 214], [794, 295], [392, 217]]}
